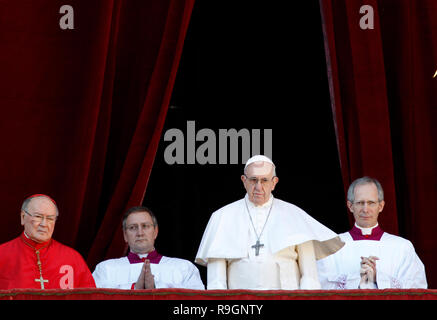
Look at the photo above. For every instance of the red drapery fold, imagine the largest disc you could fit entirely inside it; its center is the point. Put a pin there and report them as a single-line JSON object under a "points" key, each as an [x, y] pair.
{"points": [[137, 167], [83, 110], [384, 103], [357, 80]]}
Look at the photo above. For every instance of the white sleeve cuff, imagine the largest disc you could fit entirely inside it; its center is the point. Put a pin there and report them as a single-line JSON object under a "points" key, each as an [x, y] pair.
{"points": [[216, 274], [308, 267], [307, 283]]}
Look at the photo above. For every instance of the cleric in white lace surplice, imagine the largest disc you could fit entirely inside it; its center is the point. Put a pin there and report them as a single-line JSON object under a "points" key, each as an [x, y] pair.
{"points": [[398, 265], [395, 263]]}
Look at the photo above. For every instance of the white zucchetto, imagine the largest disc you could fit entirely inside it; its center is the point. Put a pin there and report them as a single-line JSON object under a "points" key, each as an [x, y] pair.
{"points": [[258, 158]]}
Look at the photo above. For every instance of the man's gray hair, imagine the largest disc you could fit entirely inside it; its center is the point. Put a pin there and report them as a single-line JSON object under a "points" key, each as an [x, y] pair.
{"points": [[29, 199], [363, 181]]}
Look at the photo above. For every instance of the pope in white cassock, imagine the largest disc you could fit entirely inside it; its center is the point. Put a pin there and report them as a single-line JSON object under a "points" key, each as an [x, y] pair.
{"points": [[263, 243], [371, 258], [144, 267]]}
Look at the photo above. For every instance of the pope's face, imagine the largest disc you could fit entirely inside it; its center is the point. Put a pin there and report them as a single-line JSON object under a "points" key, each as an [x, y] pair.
{"points": [[140, 232], [259, 182], [39, 219], [366, 206]]}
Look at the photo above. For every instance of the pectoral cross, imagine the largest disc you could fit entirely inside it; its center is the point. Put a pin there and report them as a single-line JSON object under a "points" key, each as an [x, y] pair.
{"points": [[257, 246], [41, 280]]}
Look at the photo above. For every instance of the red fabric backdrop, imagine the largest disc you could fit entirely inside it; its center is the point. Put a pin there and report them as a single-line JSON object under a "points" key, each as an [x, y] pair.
{"points": [[83, 110], [384, 102]]}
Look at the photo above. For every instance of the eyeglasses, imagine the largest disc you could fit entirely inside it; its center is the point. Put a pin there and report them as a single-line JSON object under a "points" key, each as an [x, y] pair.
{"points": [[254, 181], [135, 227], [40, 217], [370, 204]]}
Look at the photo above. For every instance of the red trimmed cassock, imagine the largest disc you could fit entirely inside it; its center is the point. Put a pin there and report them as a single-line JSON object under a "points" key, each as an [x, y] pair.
{"points": [[25, 263]]}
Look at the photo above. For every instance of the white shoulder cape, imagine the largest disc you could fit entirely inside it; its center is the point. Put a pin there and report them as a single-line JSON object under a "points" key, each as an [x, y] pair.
{"points": [[226, 234]]}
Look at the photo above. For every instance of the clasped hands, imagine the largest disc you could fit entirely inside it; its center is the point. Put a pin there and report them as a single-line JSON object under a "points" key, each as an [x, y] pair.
{"points": [[368, 272], [146, 279]]}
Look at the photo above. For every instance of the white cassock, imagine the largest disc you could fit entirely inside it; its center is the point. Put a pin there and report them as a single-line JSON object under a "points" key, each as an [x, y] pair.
{"points": [[168, 273], [292, 241], [398, 265]]}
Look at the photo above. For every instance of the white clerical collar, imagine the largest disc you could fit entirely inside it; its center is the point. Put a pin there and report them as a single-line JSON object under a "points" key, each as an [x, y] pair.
{"points": [[143, 255], [366, 231], [253, 205]]}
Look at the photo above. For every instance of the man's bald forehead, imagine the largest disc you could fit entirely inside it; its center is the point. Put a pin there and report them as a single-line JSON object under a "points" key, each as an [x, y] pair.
{"points": [[41, 198], [38, 197]]}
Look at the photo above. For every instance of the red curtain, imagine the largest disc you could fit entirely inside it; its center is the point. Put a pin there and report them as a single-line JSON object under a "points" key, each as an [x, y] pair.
{"points": [[83, 110], [384, 93]]}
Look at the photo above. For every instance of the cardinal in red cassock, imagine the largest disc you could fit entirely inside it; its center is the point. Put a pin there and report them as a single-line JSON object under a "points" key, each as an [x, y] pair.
{"points": [[34, 259]]}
